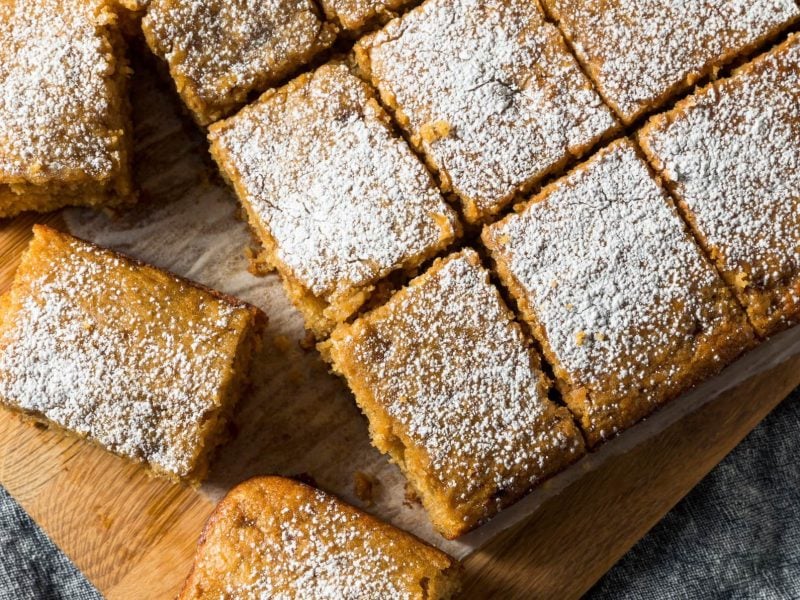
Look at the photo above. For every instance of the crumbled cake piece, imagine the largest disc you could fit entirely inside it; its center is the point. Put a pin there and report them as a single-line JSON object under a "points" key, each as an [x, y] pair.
{"points": [[64, 114], [272, 537], [624, 304], [454, 394], [488, 92], [640, 53], [134, 359], [355, 16], [731, 156], [220, 51], [338, 200]]}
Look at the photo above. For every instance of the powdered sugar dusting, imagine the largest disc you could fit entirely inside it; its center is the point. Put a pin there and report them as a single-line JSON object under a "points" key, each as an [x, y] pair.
{"points": [[732, 154], [56, 100], [346, 201], [447, 362], [610, 273], [307, 545], [636, 51], [222, 50], [489, 91], [98, 353]]}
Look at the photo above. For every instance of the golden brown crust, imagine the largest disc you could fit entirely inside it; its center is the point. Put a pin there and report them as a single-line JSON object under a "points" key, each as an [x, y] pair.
{"points": [[730, 154], [140, 362], [640, 54], [488, 93], [272, 536], [625, 307], [338, 200], [219, 52], [454, 395], [63, 143]]}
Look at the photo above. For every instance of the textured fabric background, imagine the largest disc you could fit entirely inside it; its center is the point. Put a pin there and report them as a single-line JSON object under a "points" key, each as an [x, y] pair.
{"points": [[31, 567], [735, 536]]}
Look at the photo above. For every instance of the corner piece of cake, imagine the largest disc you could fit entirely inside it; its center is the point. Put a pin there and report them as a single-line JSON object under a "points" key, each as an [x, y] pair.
{"points": [[65, 131], [640, 53], [337, 198], [731, 156], [625, 306], [488, 91], [454, 394], [219, 52], [272, 537], [134, 359]]}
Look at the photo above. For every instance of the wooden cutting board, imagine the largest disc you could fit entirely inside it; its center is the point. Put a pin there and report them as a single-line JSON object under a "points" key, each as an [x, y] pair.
{"points": [[134, 536]]}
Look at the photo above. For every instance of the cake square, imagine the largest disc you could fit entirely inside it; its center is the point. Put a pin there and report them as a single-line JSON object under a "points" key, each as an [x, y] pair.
{"points": [[272, 537], [730, 154], [64, 117], [355, 16], [625, 306], [219, 52], [640, 53], [338, 199], [134, 359], [454, 394], [488, 93]]}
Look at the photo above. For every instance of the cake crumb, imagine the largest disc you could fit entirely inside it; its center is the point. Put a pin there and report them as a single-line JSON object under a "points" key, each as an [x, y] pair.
{"points": [[364, 486]]}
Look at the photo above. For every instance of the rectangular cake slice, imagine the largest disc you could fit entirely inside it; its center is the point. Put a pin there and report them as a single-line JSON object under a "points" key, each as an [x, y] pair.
{"points": [[272, 537], [488, 92], [640, 53], [454, 394], [220, 51], [731, 156], [338, 199], [64, 115], [627, 309], [134, 359]]}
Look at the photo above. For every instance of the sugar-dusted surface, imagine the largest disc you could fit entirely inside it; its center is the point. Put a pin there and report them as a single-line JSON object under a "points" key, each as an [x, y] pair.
{"points": [[488, 91], [451, 370], [640, 51], [355, 15], [275, 538], [219, 51], [118, 352], [343, 199], [628, 310], [60, 117], [731, 155]]}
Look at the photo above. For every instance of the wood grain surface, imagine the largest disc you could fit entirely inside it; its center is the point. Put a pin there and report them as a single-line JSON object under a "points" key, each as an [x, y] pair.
{"points": [[134, 536]]}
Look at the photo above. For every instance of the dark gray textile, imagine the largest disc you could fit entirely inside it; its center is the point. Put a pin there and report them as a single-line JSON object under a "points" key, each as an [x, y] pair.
{"points": [[735, 536], [31, 567]]}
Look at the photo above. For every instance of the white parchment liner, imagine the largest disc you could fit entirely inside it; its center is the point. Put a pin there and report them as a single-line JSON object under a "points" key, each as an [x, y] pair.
{"points": [[299, 419]]}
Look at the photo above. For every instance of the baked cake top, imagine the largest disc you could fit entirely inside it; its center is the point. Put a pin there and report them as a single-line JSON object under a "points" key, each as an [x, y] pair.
{"points": [[488, 91], [275, 538], [448, 364], [603, 267], [731, 154], [120, 352], [640, 51], [345, 199], [60, 110], [218, 51]]}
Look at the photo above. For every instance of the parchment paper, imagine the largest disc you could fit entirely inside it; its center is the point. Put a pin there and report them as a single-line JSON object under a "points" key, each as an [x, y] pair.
{"points": [[299, 419]]}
